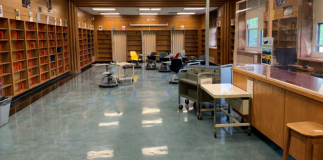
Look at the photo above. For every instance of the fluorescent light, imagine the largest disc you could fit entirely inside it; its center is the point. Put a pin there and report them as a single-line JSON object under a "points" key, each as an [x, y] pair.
{"points": [[155, 9], [148, 14], [109, 13], [104, 9], [194, 8], [144, 9], [185, 13]]}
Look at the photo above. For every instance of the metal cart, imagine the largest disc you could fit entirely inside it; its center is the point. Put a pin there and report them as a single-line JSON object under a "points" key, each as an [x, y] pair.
{"points": [[190, 80]]}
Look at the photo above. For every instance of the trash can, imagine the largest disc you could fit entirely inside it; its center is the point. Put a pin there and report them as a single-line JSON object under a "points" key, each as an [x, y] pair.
{"points": [[4, 109]]}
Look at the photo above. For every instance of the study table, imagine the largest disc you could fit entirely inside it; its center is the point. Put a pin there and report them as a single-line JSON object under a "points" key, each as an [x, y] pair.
{"points": [[284, 97], [224, 90]]}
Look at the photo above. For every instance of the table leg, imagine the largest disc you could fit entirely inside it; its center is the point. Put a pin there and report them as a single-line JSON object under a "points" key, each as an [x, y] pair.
{"points": [[214, 117], [133, 71], [198, 109]]}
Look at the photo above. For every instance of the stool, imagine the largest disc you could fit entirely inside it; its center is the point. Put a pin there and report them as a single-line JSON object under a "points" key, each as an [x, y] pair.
{"points": [[310, 133]]}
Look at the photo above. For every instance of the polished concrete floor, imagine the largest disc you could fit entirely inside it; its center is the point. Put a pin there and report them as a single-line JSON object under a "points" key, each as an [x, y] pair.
{"points": [[139, 121]]}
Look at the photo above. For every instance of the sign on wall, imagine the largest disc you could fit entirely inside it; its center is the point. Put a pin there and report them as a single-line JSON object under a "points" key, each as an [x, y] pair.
{"points": [[267, 50]]}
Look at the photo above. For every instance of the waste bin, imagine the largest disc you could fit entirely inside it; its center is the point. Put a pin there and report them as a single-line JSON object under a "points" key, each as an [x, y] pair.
{"points": [[4, 109]]}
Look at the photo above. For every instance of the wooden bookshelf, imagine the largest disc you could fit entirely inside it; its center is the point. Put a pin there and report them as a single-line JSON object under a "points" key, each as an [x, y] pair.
{"points": [[191, 42], [217, 59], [5, 60], [91, 45], [163, 41], [104, 43], [25, 54], [134, 43], [32, 56], [202, 41], [232, 37], [66, 58]]}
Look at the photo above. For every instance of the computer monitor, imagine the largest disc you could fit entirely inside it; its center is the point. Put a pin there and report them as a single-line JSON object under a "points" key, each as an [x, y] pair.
{"points": [[286, 56]]}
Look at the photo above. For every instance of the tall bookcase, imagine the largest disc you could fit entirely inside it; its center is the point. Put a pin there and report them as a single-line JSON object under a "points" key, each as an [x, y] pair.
{"points": [[218, 57], [104, 45], [90, 44], [6, 59], [232, 37], [65, 50], [134, 43], [163, 41], [30, 54], [202, 41], [191, 42]]}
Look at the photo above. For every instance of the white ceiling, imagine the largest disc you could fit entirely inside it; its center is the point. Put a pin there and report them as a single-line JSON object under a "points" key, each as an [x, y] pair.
{"points": [[135, 11]]}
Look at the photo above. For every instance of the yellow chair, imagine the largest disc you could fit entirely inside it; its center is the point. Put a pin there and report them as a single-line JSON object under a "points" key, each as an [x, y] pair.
{"points": [[135, 58]]}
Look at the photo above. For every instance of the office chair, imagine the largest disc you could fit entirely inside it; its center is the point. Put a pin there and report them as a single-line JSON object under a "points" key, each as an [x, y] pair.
{"points": [[151, 65], [175, 66], [111, 80], [135, 59]]}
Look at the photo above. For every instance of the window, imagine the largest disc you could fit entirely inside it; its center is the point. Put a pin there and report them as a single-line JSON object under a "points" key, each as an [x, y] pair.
{"points": [[254, 35], [319, 45]]}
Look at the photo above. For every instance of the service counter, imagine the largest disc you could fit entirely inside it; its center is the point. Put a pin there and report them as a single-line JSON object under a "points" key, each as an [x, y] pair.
{"points": [[283, 98]]}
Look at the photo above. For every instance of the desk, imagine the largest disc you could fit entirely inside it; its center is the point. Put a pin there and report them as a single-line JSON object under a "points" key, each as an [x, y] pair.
{"points": [[144, 57], [124, 76], [225, 90]]}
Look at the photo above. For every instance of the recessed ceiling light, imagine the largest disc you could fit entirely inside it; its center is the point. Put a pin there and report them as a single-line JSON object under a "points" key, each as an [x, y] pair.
{"points": [[148, 14], [144, 9], [185, 13], [194, 8], [155, 9], [104, 9], [109, 13]]}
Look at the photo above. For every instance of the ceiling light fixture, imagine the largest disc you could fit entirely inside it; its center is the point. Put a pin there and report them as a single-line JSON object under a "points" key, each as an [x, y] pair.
{"points": [[104, 9], [148, 14], [109, 13], [155, 9], [194, 8], [185, 13], [144, 9]]}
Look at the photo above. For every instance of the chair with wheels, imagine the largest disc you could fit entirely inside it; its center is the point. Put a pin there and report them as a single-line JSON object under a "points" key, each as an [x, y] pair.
{"points": [[151, 65], [164, 67], [177, 56], [135, 59], [175, 66], [111, 80]]}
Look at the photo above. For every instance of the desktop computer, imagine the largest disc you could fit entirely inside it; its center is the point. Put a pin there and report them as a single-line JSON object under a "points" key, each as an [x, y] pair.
{"points": [[286, 57]]}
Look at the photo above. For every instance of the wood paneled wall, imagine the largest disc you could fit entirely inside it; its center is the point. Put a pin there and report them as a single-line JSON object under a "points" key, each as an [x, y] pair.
{"points": [[84, 17], [273, 107], [190, 22], [60, 10]]}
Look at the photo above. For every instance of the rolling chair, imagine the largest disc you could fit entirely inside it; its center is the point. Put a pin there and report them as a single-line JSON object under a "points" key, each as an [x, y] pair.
{"points": [[175, 66], [111, 80], [135, 59], [177, 56], [164, 67], [151, 65]]}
